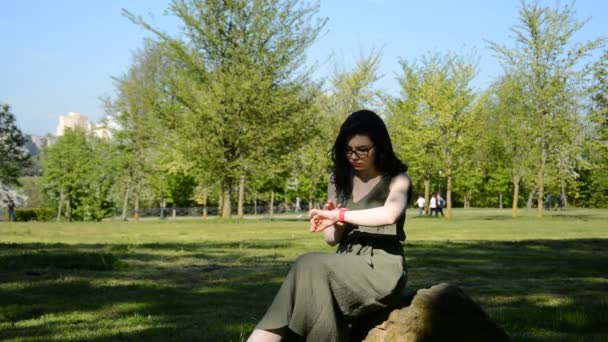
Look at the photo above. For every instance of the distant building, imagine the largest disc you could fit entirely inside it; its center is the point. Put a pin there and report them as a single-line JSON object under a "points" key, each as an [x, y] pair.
{"points": [[35, 143], [106, 127], [73, 120]]}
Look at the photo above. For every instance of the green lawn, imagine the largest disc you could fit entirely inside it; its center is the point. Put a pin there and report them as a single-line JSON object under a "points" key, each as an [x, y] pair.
{"points": [[542, 280]]}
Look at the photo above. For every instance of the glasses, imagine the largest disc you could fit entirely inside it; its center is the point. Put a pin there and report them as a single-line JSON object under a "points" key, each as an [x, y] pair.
{"points": [[361, 152]]}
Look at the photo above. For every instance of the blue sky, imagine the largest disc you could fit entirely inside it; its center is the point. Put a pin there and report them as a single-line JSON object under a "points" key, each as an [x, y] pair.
{"points": [[59, 56]]}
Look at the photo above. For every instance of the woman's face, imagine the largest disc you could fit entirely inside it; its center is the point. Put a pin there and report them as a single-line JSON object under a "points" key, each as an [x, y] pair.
{"points": [[361, 152]]}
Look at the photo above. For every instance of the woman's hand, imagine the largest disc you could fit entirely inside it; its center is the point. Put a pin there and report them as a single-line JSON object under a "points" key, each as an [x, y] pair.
{"points": [[322, 219], [330, 205]]}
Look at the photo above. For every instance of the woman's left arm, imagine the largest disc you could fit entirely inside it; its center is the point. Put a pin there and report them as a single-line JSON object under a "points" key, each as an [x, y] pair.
{"points": [[381, 216]]}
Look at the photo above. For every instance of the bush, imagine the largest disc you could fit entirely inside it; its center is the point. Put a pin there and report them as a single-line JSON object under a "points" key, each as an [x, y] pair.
{"points": [[34, 214], [45, 214], [23, 215]]}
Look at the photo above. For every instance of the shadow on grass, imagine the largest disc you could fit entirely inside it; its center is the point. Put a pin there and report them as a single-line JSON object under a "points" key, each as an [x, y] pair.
{"points": [[574, 215], [535, 289]]}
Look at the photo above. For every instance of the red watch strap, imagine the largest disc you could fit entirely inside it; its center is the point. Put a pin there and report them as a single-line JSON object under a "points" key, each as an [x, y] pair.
{"points": [[341, 215]]}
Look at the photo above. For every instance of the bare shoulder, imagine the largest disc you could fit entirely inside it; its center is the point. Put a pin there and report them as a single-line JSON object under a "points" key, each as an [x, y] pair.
{"points": [[400, 182]]}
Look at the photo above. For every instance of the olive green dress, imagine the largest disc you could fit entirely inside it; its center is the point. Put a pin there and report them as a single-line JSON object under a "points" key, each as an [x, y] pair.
{"points": [[323, 292]]}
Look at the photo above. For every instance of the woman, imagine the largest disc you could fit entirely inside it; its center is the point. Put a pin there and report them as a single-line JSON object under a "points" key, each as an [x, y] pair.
{"points": [[365, 213], [433, 204]]}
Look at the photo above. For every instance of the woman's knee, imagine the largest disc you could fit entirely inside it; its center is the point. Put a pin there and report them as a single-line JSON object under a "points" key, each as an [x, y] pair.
{"points": [[311, 261]]}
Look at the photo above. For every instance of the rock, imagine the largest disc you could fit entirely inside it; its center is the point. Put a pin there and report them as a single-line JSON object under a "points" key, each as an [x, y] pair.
{"points": [[441, 313]]}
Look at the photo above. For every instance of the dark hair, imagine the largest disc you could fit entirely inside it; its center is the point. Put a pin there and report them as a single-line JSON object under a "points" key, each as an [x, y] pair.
{"points": [[363, 122]]}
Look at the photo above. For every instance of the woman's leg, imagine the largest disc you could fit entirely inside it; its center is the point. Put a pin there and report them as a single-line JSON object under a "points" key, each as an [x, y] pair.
{"points": [[271, 335], [322, 288], [305, 300]]}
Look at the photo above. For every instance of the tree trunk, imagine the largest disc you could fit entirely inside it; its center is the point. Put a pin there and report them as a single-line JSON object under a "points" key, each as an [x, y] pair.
{"points": [[136, 199], [448, 215], [173, 213], [271, 203], [564, 199], [255, 204], [541, 193], [220, 202], [516, 179], [427, 195], [541, 177], [60, 205], [241, 196], [500, 200], [68, 209], [227, 208], [204, 206], [125, 203], [310, 196], [531, 197], [448, 196]]}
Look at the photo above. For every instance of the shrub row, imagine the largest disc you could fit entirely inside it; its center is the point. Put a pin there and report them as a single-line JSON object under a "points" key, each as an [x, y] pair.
{"points": [[34, 214]]}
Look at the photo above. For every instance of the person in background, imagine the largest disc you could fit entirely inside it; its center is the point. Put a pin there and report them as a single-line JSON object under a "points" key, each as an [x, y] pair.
{"points": [[560, 201], [420, 202], [433, 204], [11, 211], [440, 204], [548, 202]]}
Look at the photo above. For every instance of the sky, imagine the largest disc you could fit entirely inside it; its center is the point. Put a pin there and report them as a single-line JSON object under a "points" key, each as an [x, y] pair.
{"points": [[60, 56]]}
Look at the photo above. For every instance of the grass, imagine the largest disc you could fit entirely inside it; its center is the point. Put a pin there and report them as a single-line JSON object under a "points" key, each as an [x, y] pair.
{"points": [[542, 280]]}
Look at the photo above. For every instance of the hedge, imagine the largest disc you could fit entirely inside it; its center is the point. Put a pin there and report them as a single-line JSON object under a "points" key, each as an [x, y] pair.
{"points": [[34, 214]]}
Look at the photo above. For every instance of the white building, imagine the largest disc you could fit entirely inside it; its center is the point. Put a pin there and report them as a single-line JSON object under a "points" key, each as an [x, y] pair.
{"points": [[73, 120]]}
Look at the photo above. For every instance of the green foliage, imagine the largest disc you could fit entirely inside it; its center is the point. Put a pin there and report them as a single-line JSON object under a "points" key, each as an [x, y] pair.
{"points": [[34, 168], [550, 67], [144, 109], [79, 170], [34, 214], [44, 214], [592, 189], [33, 189], [434, 120], [12, 149], [229, 97], [235, 72], [179, 189], [348, 91], [24, 215]]}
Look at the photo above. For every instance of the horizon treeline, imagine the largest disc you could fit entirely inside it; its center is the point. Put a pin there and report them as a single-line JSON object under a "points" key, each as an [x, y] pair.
{"points": [[227, 114]]}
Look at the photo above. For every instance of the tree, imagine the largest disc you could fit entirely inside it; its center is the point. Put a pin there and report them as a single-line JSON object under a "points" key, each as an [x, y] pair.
{"points": [[549, 65], [79, 173], [597, 142], [352, 90], [437, 114], [66, 164], [12, 148], [512, 128], [144, 110], [348, 91], [413, 141], [97, 204], [33, 188], [239, 80]]}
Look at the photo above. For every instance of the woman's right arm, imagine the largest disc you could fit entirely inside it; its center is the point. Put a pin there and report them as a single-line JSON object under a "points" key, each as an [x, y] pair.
{"points": [[332, 234]]}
